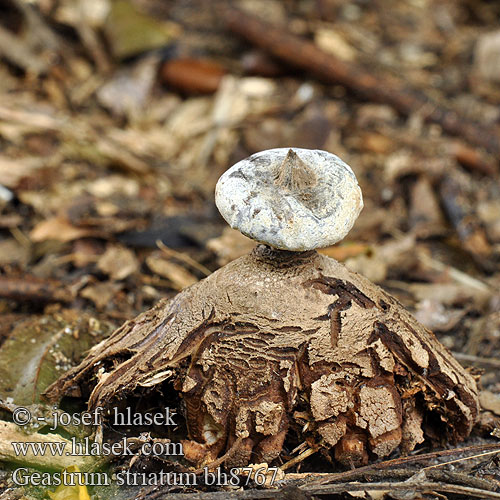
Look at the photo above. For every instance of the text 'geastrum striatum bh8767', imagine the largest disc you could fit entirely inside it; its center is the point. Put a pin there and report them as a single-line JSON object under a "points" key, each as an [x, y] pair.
{"points": [[287, 340]]}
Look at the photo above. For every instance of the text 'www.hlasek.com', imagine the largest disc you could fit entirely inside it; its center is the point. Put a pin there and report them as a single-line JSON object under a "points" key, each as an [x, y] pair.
{"points": [[67, 450]]}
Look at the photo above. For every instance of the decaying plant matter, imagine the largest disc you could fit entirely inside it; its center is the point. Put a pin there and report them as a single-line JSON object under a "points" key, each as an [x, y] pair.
{"points": [[282, 339]]}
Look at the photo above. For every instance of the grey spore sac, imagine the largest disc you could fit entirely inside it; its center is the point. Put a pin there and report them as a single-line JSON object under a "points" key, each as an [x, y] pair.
{"points": [[290, 198]]}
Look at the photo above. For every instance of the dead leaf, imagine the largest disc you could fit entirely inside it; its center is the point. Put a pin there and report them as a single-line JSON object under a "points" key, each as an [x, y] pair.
{"points": [[371, 266], [101, 294], [436, 317], [490, 401], [425, 215], [58, 228], [448, 293], [230, 245], [333, 42], [12, 171], [85, 251], [346, 251], [9, 220], [127, 92], [12, 252], [118, 262]]}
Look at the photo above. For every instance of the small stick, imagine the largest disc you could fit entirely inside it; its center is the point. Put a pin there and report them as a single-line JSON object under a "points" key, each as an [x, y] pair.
{"points": [[340, 476], [494, 452], [454, 273], [460, 211], [424, 486], [185, 258], [477, 360], [281, 493], [299, 458], [306, 55], [20, 54], [33, 289], [400, 474], [472, 159]]}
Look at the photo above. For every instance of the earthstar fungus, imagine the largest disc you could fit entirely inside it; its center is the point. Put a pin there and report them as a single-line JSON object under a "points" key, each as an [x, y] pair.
{"points": [[287, 340]]}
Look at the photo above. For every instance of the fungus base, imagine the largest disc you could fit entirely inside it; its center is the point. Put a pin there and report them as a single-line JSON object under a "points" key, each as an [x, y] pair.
{"points": [[279, 339]]}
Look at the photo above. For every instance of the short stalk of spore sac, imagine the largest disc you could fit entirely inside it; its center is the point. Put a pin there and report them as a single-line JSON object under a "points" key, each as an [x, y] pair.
{"points": [[285, 345]]}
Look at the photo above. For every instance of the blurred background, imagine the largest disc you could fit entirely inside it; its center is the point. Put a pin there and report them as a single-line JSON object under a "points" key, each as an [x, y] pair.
{"points": [[118, 116]]}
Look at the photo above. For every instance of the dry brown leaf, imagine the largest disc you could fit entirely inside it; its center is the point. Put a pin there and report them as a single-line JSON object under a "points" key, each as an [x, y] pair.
{"points": [[118, 262], [371, 266], [448, 293], [10, 220], [230, 245], [436, 317], [490, 401], [343, 252], [12, 252], [425, 214], [101, 294], [179, 277], [331, 41], [374, 142], [12, 171], [58, 228], [86, 251], [375, 265]]}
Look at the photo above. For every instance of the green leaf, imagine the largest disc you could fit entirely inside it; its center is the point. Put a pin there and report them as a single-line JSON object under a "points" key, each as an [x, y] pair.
{"points": [[130, 32], [40, 350]]}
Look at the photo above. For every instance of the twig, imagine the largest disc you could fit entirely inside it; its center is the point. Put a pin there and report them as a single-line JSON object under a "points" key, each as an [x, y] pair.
{"points": [[185, 258], [216, 495], [461, 213], [33, 289], [404, 486], [20, 54], [472, 159], [321, 483], [29, 50], [37, 30], [427, 486], [386, 464], [92, 42], [406, 473], [454, 273], [390, 90], [477, 360], [76, 132], [461, 459], [299, 458]]}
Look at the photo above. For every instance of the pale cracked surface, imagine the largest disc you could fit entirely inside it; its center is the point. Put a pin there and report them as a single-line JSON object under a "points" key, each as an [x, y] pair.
{"points": [[274, 338], [293, 199]]}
